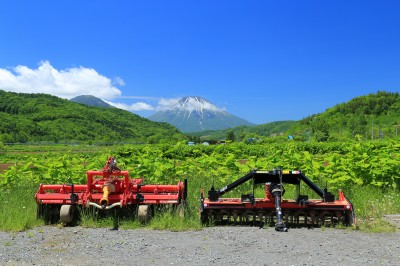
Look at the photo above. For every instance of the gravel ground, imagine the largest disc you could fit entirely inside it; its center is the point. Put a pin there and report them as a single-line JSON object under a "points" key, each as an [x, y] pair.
{"points": [[50, 245]]}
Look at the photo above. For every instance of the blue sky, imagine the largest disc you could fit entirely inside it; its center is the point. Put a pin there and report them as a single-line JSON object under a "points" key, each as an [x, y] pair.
{"points": [[263, 61]]}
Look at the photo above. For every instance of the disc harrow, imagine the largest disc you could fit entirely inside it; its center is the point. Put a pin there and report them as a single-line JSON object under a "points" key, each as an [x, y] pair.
{"points": [[272, 209]]}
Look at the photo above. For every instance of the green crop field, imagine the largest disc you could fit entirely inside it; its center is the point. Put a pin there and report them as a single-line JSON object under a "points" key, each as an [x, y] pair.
{"points": [[367, 172]]}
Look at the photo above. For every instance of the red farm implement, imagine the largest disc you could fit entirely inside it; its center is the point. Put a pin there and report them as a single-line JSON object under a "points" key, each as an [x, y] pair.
{"points": [[106, 189], [273, 209]]}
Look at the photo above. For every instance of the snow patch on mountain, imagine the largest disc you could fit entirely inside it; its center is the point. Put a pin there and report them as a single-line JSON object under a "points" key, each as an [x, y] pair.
{"points": [[194, 113], [189, 103]]}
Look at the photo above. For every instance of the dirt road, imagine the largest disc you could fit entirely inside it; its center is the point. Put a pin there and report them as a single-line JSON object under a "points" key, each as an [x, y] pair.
{"points": [[50, 245]]}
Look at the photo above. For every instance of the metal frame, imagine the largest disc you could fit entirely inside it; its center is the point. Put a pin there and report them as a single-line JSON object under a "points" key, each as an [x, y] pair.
{"points": [[273, 208]]}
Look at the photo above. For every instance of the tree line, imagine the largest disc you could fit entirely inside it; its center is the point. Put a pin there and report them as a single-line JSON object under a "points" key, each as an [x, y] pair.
{"points": [[45, 118]]}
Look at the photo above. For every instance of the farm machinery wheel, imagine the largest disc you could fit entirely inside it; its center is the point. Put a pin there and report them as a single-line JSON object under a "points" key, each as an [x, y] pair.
{"points": [[67, 214], [144, 213]]}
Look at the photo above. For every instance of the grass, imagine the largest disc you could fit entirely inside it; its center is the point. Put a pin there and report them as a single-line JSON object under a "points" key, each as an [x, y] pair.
{"points": [[18, 210], [165, 220], [370, 204]]}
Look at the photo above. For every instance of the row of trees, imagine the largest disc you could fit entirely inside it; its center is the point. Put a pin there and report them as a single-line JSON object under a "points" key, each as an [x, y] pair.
{"points": [[370, 117], [366, 117], [45, 118]]}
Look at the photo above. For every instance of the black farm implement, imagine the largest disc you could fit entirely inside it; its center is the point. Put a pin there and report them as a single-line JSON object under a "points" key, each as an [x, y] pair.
{"points": [[273, 209]]}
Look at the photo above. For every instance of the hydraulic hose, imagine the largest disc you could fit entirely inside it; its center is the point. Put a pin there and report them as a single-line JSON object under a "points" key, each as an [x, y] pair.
{"points": [[105, 208]]}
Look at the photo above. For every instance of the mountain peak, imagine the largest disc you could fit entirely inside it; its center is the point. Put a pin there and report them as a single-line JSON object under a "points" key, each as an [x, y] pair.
{"points": [[194, 113], [195, 103], [91, 101], [192, 98]]}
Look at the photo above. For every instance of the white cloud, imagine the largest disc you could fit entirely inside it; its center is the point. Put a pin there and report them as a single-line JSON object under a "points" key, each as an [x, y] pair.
{"points": [[75, 81], [66, 83], [119, 81], [192, 104], [166, 104], [149, 98], [139, 106]]}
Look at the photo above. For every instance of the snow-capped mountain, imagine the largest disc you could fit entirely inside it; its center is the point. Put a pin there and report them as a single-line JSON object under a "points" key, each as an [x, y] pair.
{"points": [[193, 114]]}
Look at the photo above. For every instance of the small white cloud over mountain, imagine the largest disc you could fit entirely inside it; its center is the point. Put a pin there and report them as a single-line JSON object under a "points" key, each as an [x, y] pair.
{"points": [[138, 106], [167, 104]]}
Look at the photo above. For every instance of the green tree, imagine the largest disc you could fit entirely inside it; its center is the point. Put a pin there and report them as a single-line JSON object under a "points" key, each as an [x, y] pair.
{"points": [[230, 136]]}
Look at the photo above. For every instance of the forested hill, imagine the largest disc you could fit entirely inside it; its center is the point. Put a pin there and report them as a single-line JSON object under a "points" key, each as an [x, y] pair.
{"points": [[46, 118], [371, 116], [244, 133]]}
